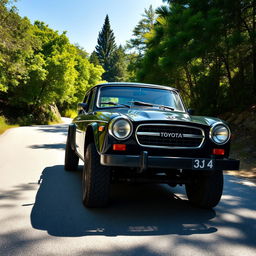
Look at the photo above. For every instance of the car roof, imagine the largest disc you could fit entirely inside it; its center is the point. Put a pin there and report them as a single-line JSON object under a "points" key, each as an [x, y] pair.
{"points": [[136, 85]]}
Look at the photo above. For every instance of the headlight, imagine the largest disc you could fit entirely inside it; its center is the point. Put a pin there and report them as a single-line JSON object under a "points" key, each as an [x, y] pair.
{"points": [[120, 128], [220, 134]]}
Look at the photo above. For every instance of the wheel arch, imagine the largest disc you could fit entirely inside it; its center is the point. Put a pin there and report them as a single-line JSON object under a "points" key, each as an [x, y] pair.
{"points": [[91, 136]]}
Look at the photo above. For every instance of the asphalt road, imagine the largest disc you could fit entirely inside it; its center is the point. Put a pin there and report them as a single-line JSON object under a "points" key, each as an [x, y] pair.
{"points": [[41, 211]]}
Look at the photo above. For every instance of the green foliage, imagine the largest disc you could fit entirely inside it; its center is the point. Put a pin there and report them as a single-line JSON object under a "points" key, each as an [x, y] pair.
{"points": [[16, 45], [71, 113], [137, 45], [139, 36], [4, 125], [118, 68], [94, 58], [41, 115], [39, 67], [132, 66], [206, 49], [114, 60], [105, 49]]}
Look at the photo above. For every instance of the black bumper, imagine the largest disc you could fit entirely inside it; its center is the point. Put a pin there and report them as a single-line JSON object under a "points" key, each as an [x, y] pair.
{"points": [[144, 161]]}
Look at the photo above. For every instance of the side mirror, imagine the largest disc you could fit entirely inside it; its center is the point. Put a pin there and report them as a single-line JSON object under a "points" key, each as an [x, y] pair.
{"points": [[82, 106], [191, 111]]}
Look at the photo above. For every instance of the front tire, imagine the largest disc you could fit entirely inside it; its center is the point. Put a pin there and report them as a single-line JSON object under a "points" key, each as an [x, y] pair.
{"points": [[95, 179], [71, 159], [205, 190]]}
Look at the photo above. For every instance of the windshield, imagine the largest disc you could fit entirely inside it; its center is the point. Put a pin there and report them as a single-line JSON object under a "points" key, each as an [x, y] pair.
{"points": [[126, 95]]}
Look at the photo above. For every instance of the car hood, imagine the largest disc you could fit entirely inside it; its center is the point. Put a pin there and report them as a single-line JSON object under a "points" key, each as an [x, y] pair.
{"points": [[140, 115]]}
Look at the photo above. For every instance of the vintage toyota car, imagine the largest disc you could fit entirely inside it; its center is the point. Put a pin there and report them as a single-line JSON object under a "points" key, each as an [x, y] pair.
{"points": [[143, 133]]}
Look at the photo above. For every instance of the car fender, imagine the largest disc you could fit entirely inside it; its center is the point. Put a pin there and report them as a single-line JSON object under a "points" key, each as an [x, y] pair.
{"points": [[92, 135]]}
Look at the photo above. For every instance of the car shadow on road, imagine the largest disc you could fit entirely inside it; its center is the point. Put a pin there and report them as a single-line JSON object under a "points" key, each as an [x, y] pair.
{"points": [[59, 128], [49, 146], [134, 209]]}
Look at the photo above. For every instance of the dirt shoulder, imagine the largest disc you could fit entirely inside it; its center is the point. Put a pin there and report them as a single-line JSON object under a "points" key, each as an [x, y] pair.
{"points": [[243, 146], [244, 150]]}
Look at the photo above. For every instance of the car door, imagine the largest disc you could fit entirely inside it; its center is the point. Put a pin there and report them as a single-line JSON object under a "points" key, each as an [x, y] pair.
{"points": [[83, 120], [80, 127]]}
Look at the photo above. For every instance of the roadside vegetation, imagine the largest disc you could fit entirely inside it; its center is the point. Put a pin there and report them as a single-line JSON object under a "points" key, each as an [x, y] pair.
{"points": [[4, 125], [39, 67], [71, 113], [206, 49], [243, 145]]}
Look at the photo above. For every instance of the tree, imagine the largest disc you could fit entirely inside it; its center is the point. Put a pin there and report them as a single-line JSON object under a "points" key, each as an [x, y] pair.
{"points": [[51, 71], [39, 67], [59, 71], [137, 45], [206, 49], [105, 49], [119, 64], [16, 44], [94, 58], [145, 25]]}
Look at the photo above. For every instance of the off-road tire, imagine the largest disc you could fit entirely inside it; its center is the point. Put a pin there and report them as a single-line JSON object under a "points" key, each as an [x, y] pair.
{"points": [[95, 180], [71, 159], [205, 190]]}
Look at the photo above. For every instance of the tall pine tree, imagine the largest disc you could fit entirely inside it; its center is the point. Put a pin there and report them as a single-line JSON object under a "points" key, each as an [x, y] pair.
{"points": [[105, 49], [145, 25], [119, 65]]}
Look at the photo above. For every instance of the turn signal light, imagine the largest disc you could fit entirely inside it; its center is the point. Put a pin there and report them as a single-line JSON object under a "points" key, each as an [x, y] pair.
{"points": [[101, 128], [119, 147], [218, 151]]}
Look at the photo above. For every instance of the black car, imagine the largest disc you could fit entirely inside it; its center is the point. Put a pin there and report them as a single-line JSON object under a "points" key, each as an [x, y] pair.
{"points": [[143, 133]]}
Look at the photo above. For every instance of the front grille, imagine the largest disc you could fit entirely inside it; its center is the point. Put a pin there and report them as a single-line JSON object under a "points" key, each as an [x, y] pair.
{"points": [[169, 136]]}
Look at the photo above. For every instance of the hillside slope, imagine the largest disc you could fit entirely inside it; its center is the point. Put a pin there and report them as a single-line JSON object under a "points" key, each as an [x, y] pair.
{"points": [[243, 147]]}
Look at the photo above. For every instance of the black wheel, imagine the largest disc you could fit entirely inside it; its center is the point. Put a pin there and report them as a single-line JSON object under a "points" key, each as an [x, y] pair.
{"points": [[95, 179], [205, 190], [71, 159]]}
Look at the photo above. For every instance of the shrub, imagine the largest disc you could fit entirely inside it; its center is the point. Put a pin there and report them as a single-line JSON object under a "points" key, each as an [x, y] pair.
{"points": [[71, 113]]}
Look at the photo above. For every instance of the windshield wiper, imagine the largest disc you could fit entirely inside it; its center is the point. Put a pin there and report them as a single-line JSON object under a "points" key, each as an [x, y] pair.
{"points": [[114, 104], [142, 103]]}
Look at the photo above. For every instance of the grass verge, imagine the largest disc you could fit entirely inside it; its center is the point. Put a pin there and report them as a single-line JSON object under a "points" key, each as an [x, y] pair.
{"points": [[4, 125]]}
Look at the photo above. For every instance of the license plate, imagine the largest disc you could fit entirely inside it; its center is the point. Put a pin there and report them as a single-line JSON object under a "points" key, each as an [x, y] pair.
{"points": [[203, 164]]}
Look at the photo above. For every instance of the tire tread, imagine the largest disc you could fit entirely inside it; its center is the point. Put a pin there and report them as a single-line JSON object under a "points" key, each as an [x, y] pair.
{"points": [[207, 191], [97, 182], [71, 158]]}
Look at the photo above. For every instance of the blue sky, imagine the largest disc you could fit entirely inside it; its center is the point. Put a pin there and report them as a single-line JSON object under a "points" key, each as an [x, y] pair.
{"points": [[83, 19]]}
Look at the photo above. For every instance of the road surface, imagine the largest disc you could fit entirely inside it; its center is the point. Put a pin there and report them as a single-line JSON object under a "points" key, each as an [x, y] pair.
{"points": [[41, 211]]}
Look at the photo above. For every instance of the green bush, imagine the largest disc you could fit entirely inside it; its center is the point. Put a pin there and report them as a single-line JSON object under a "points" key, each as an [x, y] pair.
{"points": [[4, 125], [71, 113]]}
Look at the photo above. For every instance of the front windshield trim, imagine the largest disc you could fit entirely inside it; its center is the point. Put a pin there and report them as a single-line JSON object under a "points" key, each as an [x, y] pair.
{"points": [[139, 86]]}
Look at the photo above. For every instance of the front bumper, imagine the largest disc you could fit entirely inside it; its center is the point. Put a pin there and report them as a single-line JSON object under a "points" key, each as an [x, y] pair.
{"points": [[144, 161]]}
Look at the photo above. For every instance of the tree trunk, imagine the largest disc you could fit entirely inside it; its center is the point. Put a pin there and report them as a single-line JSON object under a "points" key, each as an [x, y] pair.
{"points": [[226, 62], [190, 83]]}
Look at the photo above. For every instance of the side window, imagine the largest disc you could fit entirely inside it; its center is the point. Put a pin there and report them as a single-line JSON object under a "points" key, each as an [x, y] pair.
{"points": [[92, 100], [86, 98]]}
